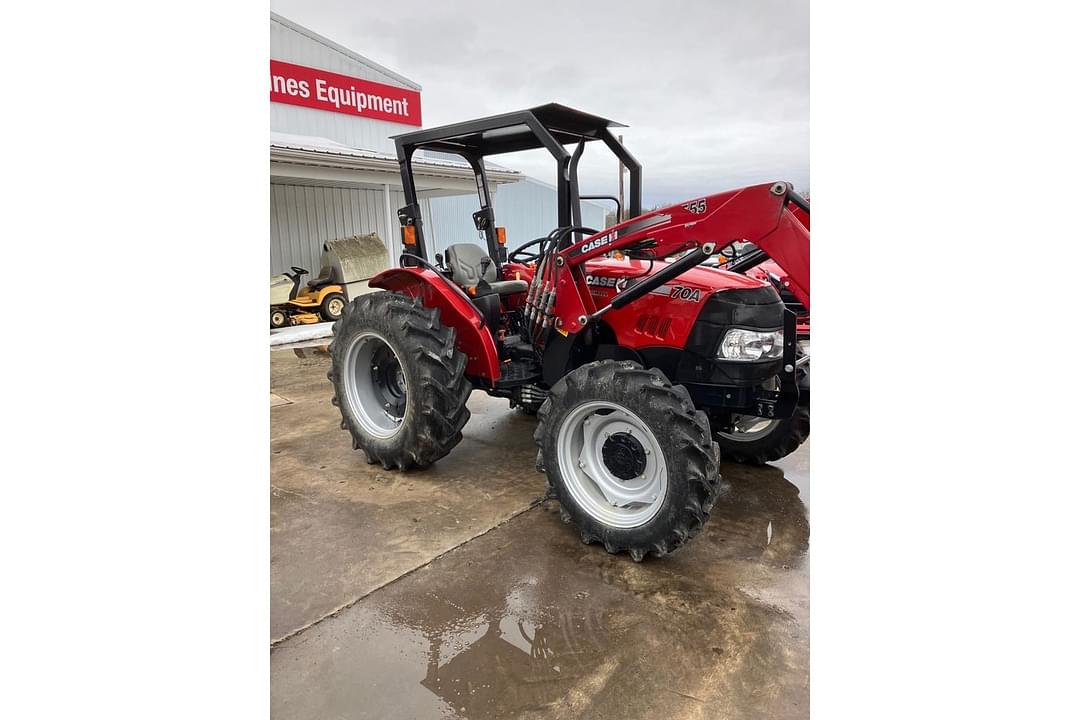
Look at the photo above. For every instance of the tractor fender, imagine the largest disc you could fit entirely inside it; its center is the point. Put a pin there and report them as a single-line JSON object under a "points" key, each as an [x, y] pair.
{"points": [[455, 310]]}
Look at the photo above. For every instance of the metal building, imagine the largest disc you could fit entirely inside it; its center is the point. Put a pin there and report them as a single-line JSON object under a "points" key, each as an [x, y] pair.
{"points": [[333, 167]]}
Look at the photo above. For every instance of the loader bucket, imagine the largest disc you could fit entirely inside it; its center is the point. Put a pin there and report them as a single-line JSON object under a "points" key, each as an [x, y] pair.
{"points": [[350, 261]]}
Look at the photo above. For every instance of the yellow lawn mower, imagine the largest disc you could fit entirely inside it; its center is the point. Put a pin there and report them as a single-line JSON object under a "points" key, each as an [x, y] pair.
{"points": [[321, 299]]}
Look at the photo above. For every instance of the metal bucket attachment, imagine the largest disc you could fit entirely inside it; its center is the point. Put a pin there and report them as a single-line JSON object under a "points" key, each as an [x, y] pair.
{"points": [[351, 261]]}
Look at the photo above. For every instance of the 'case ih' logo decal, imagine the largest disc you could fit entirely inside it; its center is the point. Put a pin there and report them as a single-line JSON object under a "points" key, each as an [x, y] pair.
{"points": [[697, 207], [605, 282], [599, 242]]}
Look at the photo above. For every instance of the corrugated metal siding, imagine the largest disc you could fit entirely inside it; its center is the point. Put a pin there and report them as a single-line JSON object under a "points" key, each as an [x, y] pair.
{"points": [[527, 209], [449, 221], [303, 217], [291, 46]]}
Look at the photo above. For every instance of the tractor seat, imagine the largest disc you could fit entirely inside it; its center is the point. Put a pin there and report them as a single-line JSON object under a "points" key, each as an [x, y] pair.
{"points": [[326, 277], [465, 261]]}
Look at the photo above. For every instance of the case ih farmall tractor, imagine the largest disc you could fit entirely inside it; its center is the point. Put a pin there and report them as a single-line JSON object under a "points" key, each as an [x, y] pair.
{"points": [[636, 357]]}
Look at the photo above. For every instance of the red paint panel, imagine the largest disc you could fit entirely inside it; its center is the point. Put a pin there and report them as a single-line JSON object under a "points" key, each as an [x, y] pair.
{"points": [[789, 246], [674, 315], [325, 90]]}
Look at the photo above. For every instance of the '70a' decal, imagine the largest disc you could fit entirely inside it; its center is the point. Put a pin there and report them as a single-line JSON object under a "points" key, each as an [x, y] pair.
{"points": [[679, 292]]}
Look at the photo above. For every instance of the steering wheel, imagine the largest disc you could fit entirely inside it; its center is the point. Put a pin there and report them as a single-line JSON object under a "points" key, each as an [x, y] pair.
{"points": [[520, 256], [299, 270]]}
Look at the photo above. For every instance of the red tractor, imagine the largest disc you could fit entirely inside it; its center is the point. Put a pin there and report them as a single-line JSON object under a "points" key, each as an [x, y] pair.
{"points": [[632, 352]]}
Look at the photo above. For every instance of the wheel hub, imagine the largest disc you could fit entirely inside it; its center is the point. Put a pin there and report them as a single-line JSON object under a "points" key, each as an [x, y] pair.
{"points": [[624, 456], [388, 381]]}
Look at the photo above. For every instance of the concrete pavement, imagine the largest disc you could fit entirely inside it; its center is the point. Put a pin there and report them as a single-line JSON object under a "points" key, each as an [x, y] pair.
{"points": [[453, 592]]}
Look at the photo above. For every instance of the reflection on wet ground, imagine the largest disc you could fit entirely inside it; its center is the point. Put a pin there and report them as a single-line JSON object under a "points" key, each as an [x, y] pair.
{"points": [[525, 621]]}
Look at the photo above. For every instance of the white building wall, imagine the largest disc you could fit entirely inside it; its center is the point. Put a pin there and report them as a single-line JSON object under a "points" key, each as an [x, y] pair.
{"points": [[527, 209], [293, 44], [361, 133]]}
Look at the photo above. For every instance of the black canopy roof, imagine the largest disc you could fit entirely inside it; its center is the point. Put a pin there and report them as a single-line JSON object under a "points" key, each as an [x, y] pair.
{"points": [[511, 132]]}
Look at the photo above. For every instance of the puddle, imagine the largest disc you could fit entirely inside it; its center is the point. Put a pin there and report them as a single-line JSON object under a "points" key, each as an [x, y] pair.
{"points": [[503, 660], [527, 622], [432, 657]]}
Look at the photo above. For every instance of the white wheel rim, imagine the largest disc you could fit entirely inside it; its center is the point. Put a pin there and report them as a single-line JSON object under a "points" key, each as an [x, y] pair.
{"points": [[371, 390], [593, 483], [335, 306]]}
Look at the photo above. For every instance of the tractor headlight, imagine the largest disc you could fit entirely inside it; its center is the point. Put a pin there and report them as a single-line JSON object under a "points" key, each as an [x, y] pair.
{"points": [[742, 344]]}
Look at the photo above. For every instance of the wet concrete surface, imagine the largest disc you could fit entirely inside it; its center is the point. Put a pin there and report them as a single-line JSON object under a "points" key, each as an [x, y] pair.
{"points": [[341, 528], [465, 599]]}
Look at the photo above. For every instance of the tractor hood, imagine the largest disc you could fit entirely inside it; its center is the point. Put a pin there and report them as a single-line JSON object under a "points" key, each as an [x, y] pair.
{"points": [[668, 316]]}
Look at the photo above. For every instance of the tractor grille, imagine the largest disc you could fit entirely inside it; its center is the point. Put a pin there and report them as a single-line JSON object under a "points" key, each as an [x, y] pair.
{"points": [[653, 325]]}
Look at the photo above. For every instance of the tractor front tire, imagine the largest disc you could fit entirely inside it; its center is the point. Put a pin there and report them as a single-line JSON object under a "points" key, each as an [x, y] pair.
{"points": [[628, 457], [778, 440], [399, 381], [332, 306]]}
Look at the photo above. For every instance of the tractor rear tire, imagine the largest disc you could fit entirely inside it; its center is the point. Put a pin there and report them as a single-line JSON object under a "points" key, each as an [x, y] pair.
{"points": [[640, 422], [783, 438], [390, 351], [332, 306]]}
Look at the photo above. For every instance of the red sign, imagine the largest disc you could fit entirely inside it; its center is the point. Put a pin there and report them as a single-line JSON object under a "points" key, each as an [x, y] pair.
{"points": [[324, 90]]}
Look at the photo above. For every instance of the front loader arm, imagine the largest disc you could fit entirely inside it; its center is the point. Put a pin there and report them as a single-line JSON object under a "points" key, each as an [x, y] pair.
{"points": [[759, 214]]}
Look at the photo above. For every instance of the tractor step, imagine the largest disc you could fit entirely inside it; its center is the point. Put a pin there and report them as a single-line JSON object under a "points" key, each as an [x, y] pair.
{"points": [[518, 372]]}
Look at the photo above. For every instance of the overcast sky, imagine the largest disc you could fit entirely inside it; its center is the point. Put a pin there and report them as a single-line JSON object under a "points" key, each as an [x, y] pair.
{"points": [[716, 94]]}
